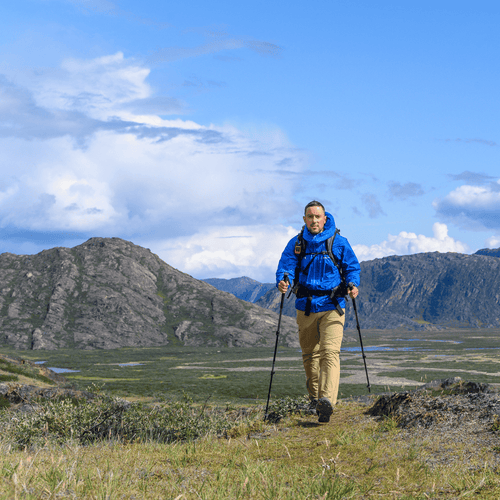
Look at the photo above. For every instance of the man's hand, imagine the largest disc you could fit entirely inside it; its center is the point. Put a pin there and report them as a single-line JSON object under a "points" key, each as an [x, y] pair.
{"points": [[283, 286], [353, 292]]}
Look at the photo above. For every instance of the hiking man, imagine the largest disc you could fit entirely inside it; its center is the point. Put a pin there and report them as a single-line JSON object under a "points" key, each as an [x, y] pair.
{"points": [[320, 285]]}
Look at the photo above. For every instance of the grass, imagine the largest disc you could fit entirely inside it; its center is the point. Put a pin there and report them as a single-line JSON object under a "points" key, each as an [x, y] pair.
{"points": [[354, 456], [241, 456], [441, 374], [25, 370]]}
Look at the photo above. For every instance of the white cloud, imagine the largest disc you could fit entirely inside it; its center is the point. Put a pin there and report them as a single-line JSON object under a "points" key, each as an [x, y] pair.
{"points": [[136, 183], [472, 207], [147, 175], [228, 252], [410, 243], [98, 87], [493, 242]]}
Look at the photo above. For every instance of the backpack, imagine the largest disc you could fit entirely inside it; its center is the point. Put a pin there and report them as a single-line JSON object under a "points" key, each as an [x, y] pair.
{"points": [[299, 290]]}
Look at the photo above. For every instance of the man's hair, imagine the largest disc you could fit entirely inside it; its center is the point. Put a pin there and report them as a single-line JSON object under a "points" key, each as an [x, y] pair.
{"points": [[314, 203]]}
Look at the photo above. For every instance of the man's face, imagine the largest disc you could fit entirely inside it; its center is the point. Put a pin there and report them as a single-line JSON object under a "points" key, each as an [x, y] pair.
{"points": [[315, 219]]}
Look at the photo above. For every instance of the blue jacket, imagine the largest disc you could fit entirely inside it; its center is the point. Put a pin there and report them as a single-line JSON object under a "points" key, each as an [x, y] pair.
{"points": [[323, 274]]}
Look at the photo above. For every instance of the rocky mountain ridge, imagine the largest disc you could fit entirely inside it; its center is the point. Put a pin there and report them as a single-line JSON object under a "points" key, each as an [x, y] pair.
{"points": [[490, 252], [109, 293], [421, 292], [244, 288]]}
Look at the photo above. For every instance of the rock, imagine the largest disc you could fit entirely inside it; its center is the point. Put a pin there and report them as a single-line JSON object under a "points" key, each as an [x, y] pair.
{"points": [[38, 341], [490, 252], [108, 293], [424, 407], [451, 429]]}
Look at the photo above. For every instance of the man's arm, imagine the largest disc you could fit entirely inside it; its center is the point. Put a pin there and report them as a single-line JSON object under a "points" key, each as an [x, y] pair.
{"points": [[352, 270], [287, 264]]}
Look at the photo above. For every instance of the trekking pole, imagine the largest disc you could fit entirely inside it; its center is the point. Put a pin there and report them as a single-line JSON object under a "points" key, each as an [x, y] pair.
{"points": [[285, 278], [361, 342]]}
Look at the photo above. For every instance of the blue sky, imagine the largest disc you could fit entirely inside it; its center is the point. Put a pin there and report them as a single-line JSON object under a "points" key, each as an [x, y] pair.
{"points": [[201, 129]]}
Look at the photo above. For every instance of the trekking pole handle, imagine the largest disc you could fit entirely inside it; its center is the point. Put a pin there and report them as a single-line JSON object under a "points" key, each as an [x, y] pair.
{"points": [[351, 286], [286, 280]]}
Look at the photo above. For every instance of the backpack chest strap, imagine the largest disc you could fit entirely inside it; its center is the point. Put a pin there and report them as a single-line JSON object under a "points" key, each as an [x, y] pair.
{"points": [[304, 292]]}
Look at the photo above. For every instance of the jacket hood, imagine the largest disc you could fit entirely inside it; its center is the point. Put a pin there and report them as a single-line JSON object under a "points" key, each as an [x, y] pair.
{"points": [[328, 230]]}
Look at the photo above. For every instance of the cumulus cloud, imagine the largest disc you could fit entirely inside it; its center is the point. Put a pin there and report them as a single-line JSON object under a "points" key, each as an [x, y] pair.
{"points": [[97, 87], [80, 154], [493, 242], [228, 252], [409, 243], [472, 207], [136, 183]]}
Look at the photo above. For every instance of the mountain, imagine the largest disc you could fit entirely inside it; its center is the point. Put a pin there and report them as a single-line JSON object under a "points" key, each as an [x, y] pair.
{"points": [[490, 252], [244, 288], [422, 292], [109, 293]]}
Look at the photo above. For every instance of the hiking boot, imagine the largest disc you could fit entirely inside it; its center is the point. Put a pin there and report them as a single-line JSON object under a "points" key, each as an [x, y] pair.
{"points": [[324, 409], [311, 409]]}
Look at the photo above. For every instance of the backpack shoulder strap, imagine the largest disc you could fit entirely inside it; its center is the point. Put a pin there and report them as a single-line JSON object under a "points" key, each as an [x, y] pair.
{"points": [[299, 250], [329, 246], [300, 245]]}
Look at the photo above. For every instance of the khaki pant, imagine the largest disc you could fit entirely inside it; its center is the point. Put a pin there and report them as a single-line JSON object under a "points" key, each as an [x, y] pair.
{"points": [[320, 337]]}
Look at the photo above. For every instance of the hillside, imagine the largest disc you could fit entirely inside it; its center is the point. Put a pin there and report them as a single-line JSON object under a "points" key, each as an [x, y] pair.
{"points": [[422, 291], [244, 288], [22, 371], [109, 293], [490, 252]]}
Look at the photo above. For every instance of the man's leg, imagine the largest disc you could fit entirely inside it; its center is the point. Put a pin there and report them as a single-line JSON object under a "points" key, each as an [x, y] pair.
{"points": [[309, 339], [331, 329]]}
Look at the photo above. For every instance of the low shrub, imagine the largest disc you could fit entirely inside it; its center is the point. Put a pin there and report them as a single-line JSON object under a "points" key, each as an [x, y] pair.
{"points": [[4, 402], [284, 407], [104, 417]]}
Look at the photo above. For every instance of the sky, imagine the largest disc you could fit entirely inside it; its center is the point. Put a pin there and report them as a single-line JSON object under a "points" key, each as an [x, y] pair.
{"points": [[200, 130]]}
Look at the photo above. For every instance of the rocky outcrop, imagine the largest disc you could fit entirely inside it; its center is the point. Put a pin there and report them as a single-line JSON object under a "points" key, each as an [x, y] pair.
{"points": [[109, 293]]}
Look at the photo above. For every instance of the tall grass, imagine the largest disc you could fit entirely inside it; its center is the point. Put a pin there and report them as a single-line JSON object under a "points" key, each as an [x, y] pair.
{"points": [[180, 451]]}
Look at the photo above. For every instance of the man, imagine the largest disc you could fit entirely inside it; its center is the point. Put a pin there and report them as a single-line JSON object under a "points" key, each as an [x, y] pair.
{"points": [[320, 313]]}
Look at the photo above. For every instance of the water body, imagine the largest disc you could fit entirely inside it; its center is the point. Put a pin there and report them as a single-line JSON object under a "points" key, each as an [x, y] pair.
{"points": [[56, 370], [375, 348], [62, 370], [430, 340], [67, 370]]}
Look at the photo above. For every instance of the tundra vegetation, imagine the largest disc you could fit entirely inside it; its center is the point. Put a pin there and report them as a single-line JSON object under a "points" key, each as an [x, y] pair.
{"points": [[192, 425]]}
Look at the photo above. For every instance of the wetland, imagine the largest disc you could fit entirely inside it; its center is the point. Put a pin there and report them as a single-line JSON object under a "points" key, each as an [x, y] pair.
{"points": [[396, 360]]}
